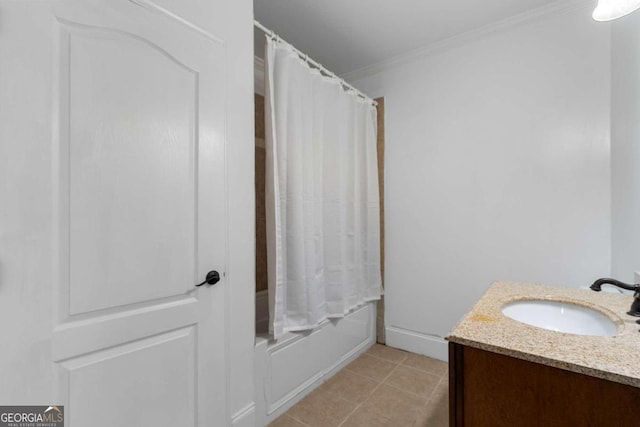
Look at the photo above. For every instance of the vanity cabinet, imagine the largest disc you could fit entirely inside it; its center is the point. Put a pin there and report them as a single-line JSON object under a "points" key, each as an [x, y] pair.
{"points": [[491, 389]]}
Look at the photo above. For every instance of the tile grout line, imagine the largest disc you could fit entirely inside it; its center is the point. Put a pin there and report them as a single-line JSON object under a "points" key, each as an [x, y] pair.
{"points": [[387, 360], [433, 392], [295, 419], [439, 376], [422, 370], [404, 360], [372, 391], [406, 391], [426, 400], [397, 364], [442, 377], [401, 364], [346, 368]]}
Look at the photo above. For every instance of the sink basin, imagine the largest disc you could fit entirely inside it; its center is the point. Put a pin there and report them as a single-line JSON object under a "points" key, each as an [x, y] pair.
{"points": [[561, 317]]}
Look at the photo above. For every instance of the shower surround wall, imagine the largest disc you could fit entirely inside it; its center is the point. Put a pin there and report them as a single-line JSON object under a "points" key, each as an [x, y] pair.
{"points": [[497, 167], [261, 223]]}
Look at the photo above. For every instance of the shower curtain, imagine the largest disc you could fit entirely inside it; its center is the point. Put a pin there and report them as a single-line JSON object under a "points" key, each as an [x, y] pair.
{"points": [[323, 212]]}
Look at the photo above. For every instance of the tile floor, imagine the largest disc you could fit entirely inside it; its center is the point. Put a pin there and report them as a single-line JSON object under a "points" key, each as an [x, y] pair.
{"points": [[383, 387]]}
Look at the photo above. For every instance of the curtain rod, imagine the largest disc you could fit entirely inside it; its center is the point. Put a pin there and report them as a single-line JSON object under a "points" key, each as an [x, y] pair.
{"points": [[270, 33]]}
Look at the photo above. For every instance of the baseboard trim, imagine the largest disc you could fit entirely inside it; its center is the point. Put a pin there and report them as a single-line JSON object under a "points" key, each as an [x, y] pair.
{"points": [[416, 342], [245, 417]]}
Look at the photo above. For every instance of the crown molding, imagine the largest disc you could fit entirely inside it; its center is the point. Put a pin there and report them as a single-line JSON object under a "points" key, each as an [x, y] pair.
{"points": [[258, 75], [560, 6]]}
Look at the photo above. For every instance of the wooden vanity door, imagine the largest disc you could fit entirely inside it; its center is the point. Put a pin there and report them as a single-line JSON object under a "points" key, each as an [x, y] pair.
{"points": [[493, 390]]}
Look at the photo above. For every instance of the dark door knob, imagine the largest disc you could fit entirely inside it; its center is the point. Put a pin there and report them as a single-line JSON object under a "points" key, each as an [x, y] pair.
{"points": [[213, 277]]}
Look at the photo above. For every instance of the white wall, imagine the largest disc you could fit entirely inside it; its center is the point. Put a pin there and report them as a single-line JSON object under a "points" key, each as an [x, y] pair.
{"points": [[241, 212], [497, 167], [625, 146]]}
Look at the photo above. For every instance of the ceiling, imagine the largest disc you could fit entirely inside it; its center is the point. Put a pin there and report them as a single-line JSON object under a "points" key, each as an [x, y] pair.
{"points": [[346, 35]]}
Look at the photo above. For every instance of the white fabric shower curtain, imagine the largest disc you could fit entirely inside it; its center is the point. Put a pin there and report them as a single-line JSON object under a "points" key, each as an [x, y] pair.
{"points": [[323, 209]]}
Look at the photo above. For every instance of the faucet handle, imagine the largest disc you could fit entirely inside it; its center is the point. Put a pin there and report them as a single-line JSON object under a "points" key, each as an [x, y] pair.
{"points": [[635, 306]]}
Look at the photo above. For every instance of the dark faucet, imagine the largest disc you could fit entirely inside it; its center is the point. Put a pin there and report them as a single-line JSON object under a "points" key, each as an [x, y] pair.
{"points": [[635, 306]]}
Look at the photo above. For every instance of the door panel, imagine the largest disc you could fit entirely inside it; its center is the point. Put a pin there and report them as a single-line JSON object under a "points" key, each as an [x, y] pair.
{"points": [[95, 332], [132, 172], [139, 191], [165, 367]]}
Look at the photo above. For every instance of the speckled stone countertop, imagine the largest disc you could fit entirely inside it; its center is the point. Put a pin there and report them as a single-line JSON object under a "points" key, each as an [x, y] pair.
{"points": [[613, 358]]}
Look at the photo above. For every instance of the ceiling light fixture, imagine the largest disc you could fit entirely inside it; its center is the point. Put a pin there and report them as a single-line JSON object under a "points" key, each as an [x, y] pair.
{"points": [[606, 10]]}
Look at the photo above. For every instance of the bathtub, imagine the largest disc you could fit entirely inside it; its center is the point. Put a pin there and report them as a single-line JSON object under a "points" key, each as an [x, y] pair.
{"points": [[287, 370]]}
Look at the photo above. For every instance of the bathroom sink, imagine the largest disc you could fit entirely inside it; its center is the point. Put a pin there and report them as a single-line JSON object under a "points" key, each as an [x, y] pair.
{"points": [[561, 317]]}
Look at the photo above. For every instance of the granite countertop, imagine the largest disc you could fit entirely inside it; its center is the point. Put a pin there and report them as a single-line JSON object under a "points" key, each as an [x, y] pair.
{"points": [[613, 358]]}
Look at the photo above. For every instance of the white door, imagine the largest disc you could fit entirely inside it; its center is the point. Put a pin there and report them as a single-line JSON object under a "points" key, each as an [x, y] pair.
{"points": [[138, 191]]}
